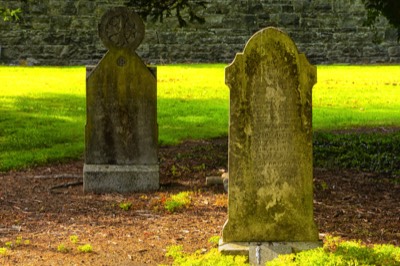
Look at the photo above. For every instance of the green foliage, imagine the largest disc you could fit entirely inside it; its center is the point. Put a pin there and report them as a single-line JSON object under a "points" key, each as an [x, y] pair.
{"points": [[74, 239], [158, 9], [87, 248], [387, 8], [370, 152], [356, 96], [3, 252], [9, 14], [174, 171], [211, 258], [178, 201], [214, 240], [193, 103], [18, 240], [42, 120], [62, 248], [337, 252], [16, 243], [9, 244], [125, 206]]}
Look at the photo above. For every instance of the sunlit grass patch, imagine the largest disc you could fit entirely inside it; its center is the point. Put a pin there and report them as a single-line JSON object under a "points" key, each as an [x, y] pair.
{"points": [[354, 96], [42, 115], [339, 252], [42, 109], [193, 102]]}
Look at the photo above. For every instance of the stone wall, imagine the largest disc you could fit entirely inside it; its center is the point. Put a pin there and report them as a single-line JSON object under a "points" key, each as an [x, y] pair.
{"points": [[64, 32]]}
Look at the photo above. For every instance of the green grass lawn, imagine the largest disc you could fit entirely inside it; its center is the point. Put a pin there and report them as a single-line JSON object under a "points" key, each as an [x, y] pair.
{"points": [[193, 102], [42, 110], [356, 96]]}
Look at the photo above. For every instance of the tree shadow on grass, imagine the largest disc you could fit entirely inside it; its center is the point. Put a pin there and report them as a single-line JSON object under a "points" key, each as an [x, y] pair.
{"points": [[180, 120], [41, 130]]}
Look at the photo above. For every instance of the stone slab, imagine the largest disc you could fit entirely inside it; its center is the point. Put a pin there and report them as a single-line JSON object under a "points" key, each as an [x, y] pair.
{"points": [[121, 120], [121, 133], [270, 142], [235, 248], [120, 178], [260, 253]]}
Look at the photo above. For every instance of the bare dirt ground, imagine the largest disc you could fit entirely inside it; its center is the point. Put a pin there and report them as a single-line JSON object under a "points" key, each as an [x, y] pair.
{"points": [[353, 205]]}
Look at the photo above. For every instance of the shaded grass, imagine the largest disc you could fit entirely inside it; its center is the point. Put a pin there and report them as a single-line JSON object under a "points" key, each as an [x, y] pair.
{"points": [[41, 130], [369, 152], [42, 110], [192, 102], [42, 115]]}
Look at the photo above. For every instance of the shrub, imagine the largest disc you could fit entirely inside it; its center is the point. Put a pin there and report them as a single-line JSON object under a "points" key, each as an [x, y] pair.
{"points": [[3, 251], [214, 240], [62, 248], [9, 244], [18, 240], [337, 252], [87, 248], [74, 239], [177, 201], [211, 258], [125, 206], [372, 152]]}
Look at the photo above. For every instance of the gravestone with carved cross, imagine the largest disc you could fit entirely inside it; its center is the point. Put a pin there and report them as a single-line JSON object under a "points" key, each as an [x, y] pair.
{"points": [[270, 207], [121, 139]]}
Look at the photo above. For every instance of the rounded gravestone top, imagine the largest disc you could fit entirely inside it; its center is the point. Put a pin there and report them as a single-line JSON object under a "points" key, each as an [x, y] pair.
{"points": [[121, 28]]}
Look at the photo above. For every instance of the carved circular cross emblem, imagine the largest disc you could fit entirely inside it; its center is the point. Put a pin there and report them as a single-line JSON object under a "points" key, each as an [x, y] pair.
{"points": [[121, 28], [121, 61]]}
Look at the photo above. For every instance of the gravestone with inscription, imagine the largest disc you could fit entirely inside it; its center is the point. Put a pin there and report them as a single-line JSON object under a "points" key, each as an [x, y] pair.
{"points": [[270, 209], [121, 99]]}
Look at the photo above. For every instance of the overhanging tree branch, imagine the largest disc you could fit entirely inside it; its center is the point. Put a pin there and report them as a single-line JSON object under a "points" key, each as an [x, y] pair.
{"points": [[387, 8], [9, 14], [158, 9]]}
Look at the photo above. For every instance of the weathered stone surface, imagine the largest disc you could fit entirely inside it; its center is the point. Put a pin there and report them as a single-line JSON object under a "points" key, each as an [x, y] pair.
{"points": [[270, 142], [121, 126], [239, 248], [121, 28], [394, 51], [120, 178], [121, 102], [322, 29], [260, 253]]}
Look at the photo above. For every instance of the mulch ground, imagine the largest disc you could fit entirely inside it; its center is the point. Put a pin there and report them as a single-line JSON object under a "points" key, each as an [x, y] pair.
{"points": [[350, 204]]}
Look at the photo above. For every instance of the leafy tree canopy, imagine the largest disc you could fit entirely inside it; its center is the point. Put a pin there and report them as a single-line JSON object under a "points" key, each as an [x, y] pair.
{"points": [[9, 14], [387, 8], [158, 9], [155, 9]]}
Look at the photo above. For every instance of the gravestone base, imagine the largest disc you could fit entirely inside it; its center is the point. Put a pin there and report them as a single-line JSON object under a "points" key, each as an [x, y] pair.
{"points": [[120, 178], [260, 253]]}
